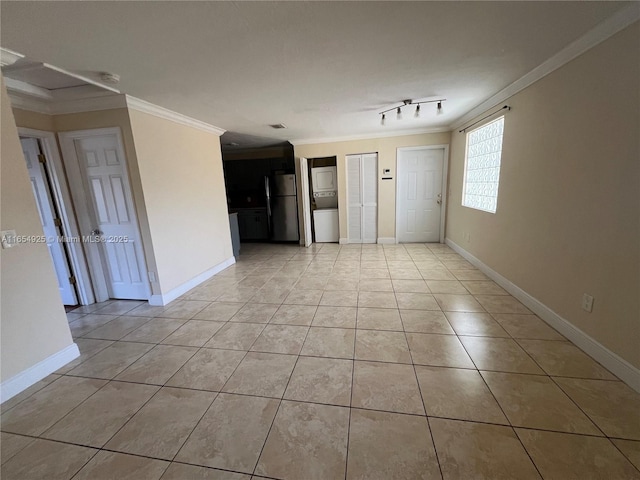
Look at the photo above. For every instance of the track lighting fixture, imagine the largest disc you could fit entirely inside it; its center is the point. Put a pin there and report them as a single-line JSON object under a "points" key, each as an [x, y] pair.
{"points": [[398, 109]]}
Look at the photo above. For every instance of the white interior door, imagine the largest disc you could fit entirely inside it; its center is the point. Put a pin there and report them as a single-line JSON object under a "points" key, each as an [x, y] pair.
{"points": [[362, 194], [419, 194], [306, 204], [51, 222], [106, 211]]}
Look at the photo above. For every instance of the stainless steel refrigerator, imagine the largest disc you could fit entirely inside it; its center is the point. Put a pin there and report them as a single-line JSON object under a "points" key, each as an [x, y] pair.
{"points": [[282, 207]]}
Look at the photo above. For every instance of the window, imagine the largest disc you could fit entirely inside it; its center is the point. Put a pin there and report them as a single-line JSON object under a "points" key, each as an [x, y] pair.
{"points": [[482, 166]]}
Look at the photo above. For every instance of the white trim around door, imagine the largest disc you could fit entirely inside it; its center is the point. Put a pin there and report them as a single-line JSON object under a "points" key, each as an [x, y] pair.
{"points": [[101, 262], [444, 193], [56, 170], [307, 238]]}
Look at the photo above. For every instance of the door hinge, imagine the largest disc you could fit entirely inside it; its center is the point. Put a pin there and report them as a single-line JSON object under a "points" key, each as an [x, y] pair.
{"points": [[57, 222], [72, 280], [42, 158]]}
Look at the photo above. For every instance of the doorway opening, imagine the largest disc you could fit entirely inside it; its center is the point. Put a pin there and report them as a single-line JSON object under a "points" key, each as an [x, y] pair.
{"points": [[322, 179], [47, 194]]}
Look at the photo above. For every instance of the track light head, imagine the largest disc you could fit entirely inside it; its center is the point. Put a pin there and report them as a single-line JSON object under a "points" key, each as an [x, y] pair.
{"points": [[416, 113]]}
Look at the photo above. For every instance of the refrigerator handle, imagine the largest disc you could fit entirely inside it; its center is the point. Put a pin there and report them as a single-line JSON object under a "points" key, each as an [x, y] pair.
{"points": [[267, 188], [267, 192]]}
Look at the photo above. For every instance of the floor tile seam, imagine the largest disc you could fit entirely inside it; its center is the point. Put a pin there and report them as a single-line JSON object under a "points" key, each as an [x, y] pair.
{"points": [[433, 442], [517, 340], [574, 402], [495, 399], [111, 437], [182, 462], [557, 385], [163, 339], [353, 370], [575, 434], [197, 349], [504, 413], [119, 313], [132, 415], [84, 335], [273, 420], [3, 411], [240, 362], [86, 463], [69, 374], [186, 440]]}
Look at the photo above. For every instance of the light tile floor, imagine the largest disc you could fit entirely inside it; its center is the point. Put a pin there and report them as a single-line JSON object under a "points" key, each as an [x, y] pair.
{"points": [[333, 362]]}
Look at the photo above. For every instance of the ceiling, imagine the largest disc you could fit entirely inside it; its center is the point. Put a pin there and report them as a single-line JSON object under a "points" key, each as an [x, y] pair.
{"points": [[324, 69]]}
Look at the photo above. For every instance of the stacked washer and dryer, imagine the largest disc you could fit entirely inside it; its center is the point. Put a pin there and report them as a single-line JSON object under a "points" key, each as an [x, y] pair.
{"points": [[324, 183]]}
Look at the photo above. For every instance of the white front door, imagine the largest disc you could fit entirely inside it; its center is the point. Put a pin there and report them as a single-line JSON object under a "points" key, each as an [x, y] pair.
{"points": [[362, 192], [419, 194], [51, 222], [106, 212]]}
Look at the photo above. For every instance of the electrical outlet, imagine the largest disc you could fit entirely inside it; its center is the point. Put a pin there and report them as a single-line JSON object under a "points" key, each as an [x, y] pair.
{"points": [[587, 303]]}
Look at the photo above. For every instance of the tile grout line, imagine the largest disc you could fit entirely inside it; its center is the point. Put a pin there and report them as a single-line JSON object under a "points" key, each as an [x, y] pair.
{"points": [[353, 370], [297, 358], [266, 438], [424, 407], [513, 430]]}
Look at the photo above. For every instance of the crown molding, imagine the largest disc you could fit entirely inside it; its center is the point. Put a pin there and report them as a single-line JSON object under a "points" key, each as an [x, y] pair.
{"points": [[24, 100], [9, 57], [604, 30], [39, 105], [368, 136], [93, 104], [30, 104], [20, 87], [161, 112]]}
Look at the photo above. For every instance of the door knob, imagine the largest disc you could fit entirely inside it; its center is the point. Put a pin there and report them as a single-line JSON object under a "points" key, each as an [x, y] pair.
{"points": [[96, 232]]}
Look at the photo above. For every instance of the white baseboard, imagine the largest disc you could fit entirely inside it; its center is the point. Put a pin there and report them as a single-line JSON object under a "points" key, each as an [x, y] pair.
{"points": [[386, 240], [343, 241], [16, 384], [610, 360], [170, 296]]}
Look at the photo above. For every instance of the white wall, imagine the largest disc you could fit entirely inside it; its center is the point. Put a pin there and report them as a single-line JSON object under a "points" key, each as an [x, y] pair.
{"points": [[568, 217], [182, 181], [33, 321], [386, 147]]}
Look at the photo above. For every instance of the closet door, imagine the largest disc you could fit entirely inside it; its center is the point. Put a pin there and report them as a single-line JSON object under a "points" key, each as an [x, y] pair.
{"points": [[354, 195], [362, 192], [369, 166]]}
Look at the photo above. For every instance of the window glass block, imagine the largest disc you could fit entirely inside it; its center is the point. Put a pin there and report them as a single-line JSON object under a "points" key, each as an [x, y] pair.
{"points": [[482, 166]]}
